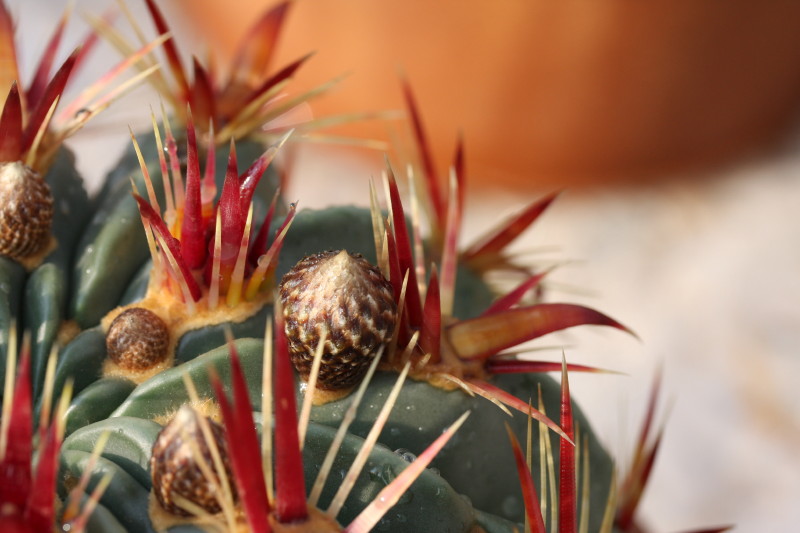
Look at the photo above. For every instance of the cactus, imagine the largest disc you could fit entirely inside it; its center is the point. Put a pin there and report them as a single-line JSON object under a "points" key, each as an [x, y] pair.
{"points": [[466, 465], [183, 271]]}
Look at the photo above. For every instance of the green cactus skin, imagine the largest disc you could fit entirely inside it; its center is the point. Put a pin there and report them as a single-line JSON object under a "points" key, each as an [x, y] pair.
{"points": [[73, 209], [477, 461], [97, 402], [101, 275], [81, 361], [95, 397], [12, 282], [102, 520], [112, 249], [45, 301], [133, 444], [337, 228], [125, 497], [165, 393]]}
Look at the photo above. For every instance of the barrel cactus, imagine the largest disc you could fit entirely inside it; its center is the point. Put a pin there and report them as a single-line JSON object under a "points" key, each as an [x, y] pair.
{"points": [[346, 311], [187, 288]]}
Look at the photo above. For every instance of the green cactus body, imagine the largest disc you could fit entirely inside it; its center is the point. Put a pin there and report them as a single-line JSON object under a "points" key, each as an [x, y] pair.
{"points": [[475, 463], [12, 282], [431, 504]]}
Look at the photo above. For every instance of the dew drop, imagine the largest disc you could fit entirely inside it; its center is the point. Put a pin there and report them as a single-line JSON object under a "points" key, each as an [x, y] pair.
{"points": [[511, 506], [406, 455]]}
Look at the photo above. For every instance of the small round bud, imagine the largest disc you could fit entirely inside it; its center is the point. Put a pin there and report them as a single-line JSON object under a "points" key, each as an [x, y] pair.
{"points": [[346, 296], [137, 339], [26, 211]]}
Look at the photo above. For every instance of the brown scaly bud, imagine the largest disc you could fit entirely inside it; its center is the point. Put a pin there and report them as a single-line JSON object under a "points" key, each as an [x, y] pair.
{"points": [[137, 339], [26, 211], [346, 296], [174, 464]]}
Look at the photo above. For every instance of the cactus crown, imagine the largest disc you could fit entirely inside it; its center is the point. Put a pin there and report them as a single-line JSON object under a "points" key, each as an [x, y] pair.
{"points": [[201, 249]]}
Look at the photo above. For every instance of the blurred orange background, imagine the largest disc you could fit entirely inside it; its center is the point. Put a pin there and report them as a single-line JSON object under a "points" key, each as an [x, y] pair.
{"points": [[549, 94]]}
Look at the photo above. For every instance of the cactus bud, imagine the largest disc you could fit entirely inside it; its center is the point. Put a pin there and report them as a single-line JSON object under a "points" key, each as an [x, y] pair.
{"points": [[26, 211], [137, 339], [174, 463], [347, 296]]}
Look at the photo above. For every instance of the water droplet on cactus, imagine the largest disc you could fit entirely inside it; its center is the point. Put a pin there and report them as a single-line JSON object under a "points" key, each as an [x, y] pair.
{"points": [[374, 474], [406, 455], [512, 506]]}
